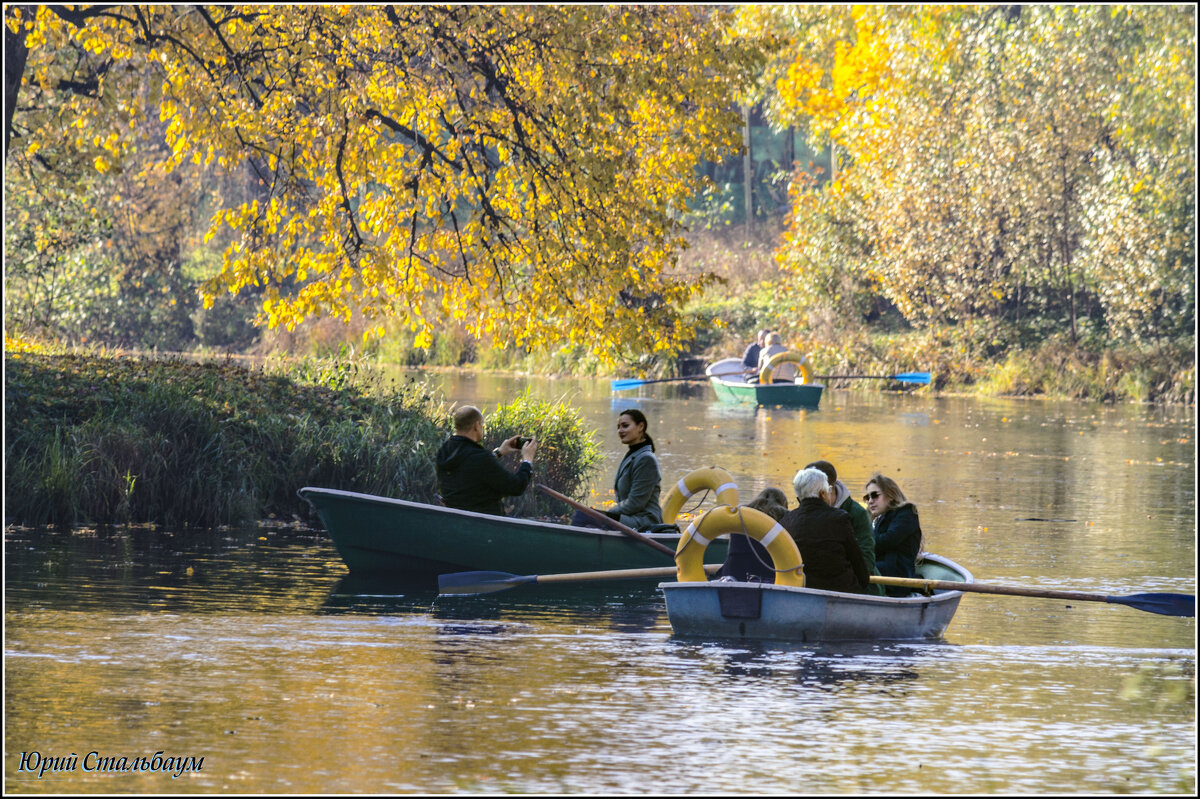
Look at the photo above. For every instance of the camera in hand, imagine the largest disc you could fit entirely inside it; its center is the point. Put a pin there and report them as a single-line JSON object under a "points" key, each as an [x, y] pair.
{"points": [[523, 440]]}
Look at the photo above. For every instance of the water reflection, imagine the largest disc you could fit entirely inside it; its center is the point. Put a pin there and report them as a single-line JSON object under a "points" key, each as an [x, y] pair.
{"points": [[254, 648], [633, 606], [827, 667]]}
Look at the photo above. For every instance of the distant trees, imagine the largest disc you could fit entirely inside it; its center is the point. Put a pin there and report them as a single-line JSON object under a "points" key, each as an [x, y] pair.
{"points": [[1024, 167], [519, 169], [525, 171]]}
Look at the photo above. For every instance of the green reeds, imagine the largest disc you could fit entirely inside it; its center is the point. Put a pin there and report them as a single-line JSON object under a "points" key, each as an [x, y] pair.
{"points": [[567, 454], [92, 438]]}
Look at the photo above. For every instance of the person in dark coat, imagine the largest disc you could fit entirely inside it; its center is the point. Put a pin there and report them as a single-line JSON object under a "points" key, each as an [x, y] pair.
{"points": [[897, 530], [747, 560], [750, 356], [864, 532], [470, 477], [825, 537]]}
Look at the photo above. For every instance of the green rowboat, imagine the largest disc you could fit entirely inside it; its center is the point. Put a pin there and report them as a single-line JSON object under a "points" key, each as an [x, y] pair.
{"points": [[381, 536], [735, 388]]}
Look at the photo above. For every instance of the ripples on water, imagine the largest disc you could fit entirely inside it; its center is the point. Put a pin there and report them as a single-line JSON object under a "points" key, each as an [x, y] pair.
{"points": [[254, 650], [290, 678]]}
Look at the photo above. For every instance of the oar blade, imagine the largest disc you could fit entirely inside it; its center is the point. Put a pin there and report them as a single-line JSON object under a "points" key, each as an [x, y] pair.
{"points": [[1164, 604], [922, 378], [621, 385], [467, 583]]}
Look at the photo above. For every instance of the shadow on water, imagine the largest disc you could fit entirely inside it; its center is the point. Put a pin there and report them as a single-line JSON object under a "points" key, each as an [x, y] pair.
{"points": [[633, 606]]}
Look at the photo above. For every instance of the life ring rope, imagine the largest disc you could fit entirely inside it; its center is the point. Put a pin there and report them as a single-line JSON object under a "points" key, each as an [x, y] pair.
{"points": [[714, 479], [785, 555]]}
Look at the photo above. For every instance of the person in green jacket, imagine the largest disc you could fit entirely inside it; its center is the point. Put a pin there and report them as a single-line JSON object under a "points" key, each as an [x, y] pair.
{"points": [[860, 518]]}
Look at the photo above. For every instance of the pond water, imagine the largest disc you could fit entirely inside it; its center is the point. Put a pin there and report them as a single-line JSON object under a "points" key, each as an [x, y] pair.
{"points": [[254, 650]]}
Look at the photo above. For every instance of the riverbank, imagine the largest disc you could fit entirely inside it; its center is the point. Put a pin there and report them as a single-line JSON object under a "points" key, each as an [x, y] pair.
{"points": [[94, 437], [962, 362]]}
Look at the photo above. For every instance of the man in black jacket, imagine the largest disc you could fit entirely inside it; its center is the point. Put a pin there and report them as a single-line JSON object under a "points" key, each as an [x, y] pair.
{"points": [[470, 477], [825, 536]]}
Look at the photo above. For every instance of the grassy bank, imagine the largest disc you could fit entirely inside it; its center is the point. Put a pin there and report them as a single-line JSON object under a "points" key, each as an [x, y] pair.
{"points": [[93, 437]]}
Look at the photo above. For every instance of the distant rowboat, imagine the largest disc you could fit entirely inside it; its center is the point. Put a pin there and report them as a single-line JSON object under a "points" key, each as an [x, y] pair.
{"points": [[736, 388]]}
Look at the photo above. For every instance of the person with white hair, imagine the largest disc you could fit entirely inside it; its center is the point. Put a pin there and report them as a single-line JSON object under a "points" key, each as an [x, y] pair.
{"points": [[825, 537]]}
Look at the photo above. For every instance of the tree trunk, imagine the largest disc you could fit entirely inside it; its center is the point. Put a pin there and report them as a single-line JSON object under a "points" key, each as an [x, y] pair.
{"points": [[748, 172], [15, 56]]}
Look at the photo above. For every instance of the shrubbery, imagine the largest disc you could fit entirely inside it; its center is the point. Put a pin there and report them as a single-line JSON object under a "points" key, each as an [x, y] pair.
{"points": [[95, 438]]}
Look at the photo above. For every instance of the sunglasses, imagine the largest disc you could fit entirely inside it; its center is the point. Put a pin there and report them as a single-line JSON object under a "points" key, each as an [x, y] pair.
{"points": [[871, 496]]}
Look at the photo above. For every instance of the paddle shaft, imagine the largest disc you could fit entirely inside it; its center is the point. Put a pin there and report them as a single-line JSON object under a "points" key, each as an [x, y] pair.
{"points": [[1165, 604], [617, 574], [902, 378], [671, 379], [982, 588], [621, 385], [603, 519]]}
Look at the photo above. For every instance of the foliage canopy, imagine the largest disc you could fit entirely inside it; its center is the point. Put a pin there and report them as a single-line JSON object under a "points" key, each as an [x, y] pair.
{"points": [[521, 169], [1032, 167]]}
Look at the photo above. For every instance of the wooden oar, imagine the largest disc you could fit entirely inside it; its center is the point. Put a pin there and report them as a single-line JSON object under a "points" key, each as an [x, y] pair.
{"points": [[491, 582], [1165, 604], [923, 378], [603, 519]]}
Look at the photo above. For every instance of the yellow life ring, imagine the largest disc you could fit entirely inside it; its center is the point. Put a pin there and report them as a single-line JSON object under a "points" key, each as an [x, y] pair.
{"points": [[713, 478], [766, 374], [689, 555]]}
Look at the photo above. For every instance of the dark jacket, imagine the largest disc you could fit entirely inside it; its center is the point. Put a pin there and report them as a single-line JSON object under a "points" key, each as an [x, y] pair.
{"points": [[747, 561], [750, 356], [825, 536], [897, 542], [637, 486], [864, 533], [471, 478]]}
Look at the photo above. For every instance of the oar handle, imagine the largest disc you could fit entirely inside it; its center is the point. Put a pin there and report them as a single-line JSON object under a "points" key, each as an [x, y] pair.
{"points": [[906, 377], [603, 519]]}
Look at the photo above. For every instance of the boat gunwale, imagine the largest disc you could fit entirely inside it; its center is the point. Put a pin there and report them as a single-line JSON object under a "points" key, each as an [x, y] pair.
{"points": [[513, 521], [741, 382], [939, 596]]}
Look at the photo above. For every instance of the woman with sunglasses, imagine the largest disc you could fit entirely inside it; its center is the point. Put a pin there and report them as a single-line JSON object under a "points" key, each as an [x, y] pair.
{"points": [[897, 530]]}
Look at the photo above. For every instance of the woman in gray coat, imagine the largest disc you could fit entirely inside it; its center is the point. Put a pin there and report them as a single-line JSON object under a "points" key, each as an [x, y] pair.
{"points": [[638, 481]]}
